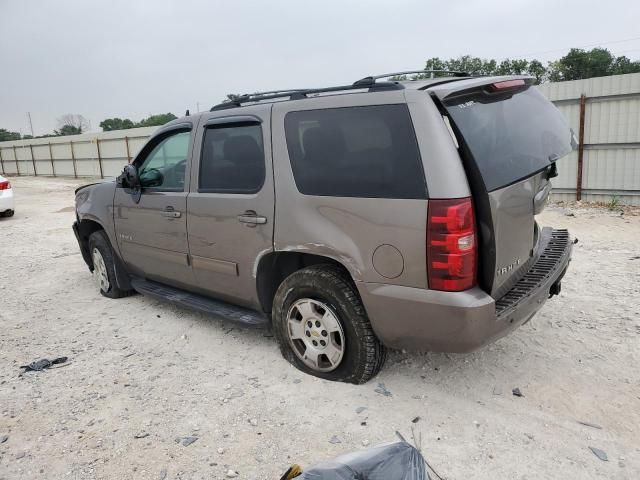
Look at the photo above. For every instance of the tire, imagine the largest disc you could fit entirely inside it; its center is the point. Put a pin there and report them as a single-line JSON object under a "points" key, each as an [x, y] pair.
{"points": [[7, 213], [325, 294], [99, 242]]}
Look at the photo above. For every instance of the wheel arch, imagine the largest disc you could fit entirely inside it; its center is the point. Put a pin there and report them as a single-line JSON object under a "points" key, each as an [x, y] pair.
{"points": [[274, 267], [87, 227]]}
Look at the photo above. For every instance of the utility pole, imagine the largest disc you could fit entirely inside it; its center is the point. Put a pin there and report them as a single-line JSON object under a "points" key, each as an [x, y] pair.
{"points": [[30, 123], [198, 107]]}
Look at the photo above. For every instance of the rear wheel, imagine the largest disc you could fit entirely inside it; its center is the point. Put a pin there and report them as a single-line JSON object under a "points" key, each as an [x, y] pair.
{"points": [[322, 327], [7, 213], [104, 267]]}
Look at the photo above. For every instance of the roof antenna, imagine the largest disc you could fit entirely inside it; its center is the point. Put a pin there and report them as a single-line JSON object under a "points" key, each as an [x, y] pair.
{"points": [[187, 114]]}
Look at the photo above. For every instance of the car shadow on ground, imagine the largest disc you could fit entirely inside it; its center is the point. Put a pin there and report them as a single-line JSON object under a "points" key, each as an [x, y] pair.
{"points": [[454, 369]]}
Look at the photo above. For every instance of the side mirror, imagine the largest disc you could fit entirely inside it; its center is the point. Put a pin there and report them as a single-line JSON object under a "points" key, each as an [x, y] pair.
{"points": [[129, 178], [151, 177]]}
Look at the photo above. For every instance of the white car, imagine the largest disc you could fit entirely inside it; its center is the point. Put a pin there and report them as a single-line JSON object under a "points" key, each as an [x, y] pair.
{"points": [[6, 198]]}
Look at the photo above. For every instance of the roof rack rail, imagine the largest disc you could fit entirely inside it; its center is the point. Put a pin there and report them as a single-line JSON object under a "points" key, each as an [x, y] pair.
{"points": [[254, 97], [370, 80], [298, 94]]}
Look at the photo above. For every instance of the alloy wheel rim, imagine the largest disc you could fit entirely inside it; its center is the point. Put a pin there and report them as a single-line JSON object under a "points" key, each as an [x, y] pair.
{"points": [[100, 271], [315, 334]]}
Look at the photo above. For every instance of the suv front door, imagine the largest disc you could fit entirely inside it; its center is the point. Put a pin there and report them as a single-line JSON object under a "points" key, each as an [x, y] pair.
{"points": [[151, 228], [231, 203]]}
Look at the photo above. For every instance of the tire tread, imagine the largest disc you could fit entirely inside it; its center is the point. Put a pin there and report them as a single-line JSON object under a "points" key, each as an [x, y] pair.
{"points": [[374, 353], [100, 240]]}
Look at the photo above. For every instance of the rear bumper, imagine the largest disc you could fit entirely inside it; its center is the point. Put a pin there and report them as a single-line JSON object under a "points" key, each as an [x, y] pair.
{"points": [[420, 319]]}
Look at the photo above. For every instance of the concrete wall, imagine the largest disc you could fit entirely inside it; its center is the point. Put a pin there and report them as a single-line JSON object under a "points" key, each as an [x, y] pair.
{"points": [[86, 155], [611, 159]]}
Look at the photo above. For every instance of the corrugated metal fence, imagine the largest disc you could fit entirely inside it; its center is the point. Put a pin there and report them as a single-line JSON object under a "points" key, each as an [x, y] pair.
{"points": [[606, 166]]}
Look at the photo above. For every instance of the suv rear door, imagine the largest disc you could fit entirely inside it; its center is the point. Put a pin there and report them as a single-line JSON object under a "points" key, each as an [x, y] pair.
{"points": [[231, 204], [510, 135]]}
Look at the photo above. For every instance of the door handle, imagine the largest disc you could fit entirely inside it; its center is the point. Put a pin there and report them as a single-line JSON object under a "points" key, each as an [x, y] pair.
{"points": [[169, 212], [251, 218]]}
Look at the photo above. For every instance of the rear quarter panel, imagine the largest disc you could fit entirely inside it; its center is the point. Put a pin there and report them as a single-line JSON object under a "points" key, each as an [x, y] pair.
{"points": [[347, 229], [443, 168]]}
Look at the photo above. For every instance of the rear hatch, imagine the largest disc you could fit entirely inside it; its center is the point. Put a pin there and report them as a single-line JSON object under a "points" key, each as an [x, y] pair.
{"points": [[509, 137]]}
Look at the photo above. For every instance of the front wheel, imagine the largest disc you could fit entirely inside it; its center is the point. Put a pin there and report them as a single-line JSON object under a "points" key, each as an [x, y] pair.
{"points": [[104, 266], [322, 327]]}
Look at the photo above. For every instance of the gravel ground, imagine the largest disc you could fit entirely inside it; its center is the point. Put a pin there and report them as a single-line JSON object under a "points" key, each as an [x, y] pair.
{"points": [[142, 375]]}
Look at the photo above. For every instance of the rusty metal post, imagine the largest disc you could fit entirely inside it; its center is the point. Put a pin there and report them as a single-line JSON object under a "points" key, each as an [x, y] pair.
{"points": [[73, 159], [99, 158], [53, 168], [126, 142], [33, 161], [583, 105], [1, 161], [15, 156]]}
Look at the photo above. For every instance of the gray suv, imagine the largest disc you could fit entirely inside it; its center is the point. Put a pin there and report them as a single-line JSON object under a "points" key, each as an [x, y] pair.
{"points": [[348, 219]]}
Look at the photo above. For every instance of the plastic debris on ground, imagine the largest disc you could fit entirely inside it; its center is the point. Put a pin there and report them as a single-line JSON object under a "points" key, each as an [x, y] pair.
{"points": [[601, 454], [40, 365], [397, 461]]}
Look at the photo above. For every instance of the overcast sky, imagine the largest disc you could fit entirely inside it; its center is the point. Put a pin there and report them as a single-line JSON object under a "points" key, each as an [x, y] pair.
{"points": [[134, 58]]}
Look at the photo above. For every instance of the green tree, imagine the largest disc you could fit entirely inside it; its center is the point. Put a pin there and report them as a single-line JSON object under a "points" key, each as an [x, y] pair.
{"points": [[156, 120], [577, 64], [623, 65], [110, 124], [520, 67], [231, 97], [72, 124], [7, 136], [597, 62], [68, 130], [482, 66], [503, 68], [435, 63], [538, 70]]}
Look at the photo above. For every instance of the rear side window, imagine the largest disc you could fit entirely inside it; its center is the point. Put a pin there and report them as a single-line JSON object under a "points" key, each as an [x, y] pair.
{"points": [[232, 159], [510, 136], [367, 152]]}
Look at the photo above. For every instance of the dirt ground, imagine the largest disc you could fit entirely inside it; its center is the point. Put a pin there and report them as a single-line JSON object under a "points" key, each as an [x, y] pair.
{"points": [[142, 374]]}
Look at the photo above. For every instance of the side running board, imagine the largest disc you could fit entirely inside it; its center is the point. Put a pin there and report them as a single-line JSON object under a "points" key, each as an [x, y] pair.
{"points": [[240, 315]]}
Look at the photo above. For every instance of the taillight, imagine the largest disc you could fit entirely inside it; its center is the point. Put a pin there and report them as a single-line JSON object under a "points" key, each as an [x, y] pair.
{"points": [[451, 245], [5, 185]]}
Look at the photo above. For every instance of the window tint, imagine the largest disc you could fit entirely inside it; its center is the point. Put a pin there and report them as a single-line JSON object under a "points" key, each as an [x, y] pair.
{"points": [[169, 157], [511, 137], [355, 152], [232, 159]]}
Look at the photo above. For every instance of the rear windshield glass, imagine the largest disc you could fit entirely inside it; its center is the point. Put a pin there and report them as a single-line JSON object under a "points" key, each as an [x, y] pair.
{"points": [[511, 136], [368, 152]]}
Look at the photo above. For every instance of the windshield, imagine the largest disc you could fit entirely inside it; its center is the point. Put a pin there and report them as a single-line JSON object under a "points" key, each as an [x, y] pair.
{"points": [[510, 136]]}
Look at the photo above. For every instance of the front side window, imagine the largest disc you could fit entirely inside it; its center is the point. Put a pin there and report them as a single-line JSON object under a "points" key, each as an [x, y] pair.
{"points": [[368, 152], [232, 159], [164, 167]]}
